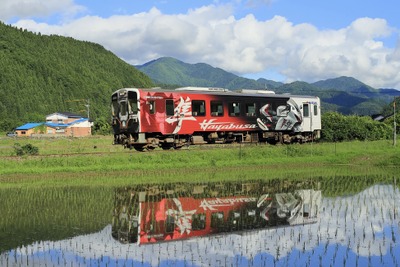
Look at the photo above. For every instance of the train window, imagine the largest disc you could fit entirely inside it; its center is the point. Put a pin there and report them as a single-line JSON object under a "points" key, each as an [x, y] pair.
{"points": [[315, 110], [198, 108], [234, 109], [250, 109], [152, 106], [114, 106], [133, 102], [199, 221], [170, 224], [123, 108], [250, 217], [306, 110], [306, 210], [217, 109], [169, 107], [217, 219]]}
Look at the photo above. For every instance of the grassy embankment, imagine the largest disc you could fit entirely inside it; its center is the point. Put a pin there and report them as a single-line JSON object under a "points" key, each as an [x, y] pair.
{"points": [[76, 162]]}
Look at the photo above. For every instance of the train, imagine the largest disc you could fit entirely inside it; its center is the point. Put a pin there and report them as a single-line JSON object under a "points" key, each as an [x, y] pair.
{"points": [[155, 213], [144, 119]]}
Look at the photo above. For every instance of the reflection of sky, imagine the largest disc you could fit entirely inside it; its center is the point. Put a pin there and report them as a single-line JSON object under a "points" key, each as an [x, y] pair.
{"points": [[356, 230]]}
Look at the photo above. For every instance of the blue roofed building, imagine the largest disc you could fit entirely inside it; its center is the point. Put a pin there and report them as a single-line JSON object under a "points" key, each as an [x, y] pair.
{"points": [[29, 128], [58, 124]]}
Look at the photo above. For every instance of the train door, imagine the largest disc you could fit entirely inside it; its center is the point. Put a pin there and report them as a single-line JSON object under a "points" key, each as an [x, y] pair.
{"points": [[173, 116], [160, 115], [311, 116]]}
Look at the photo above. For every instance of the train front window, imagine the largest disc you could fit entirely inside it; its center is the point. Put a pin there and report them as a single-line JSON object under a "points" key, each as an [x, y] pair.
{"points": [[114, 104], [123, 108], [132, 98], [315, 110], [198, 108]]}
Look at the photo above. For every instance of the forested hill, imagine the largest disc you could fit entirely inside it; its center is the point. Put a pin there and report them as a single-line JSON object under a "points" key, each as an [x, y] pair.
{"points": [[346, 95], [41, 74]]}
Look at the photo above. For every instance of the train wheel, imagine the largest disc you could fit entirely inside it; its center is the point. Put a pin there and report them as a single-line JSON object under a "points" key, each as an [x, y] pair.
{"points": [[166, 146], [138, 147], [281, 140]]}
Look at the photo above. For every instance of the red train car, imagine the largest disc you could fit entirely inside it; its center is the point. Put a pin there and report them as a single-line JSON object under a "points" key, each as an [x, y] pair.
{"points": [[149, 118], [147, 220]]}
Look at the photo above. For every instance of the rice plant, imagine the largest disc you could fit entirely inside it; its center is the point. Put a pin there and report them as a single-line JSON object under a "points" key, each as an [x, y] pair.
{"points": [[357, 228]]}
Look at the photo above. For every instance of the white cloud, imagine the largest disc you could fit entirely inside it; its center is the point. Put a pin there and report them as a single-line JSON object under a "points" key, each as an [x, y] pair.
{"points": [[37, 8], [211, 34]]}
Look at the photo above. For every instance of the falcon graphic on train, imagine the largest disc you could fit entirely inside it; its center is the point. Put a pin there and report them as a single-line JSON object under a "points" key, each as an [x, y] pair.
{"points": [[149, 118]]}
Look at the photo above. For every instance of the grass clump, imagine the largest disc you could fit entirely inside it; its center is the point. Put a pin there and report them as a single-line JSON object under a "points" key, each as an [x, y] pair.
{"points": [[27, 149]]}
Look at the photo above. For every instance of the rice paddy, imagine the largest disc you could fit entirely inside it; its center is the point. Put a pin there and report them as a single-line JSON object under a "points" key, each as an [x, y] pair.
{"points": [[360, 229], [56, 207]]}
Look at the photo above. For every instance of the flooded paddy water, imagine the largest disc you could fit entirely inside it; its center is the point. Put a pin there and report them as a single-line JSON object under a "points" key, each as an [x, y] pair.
{"points": [[357, 225]]}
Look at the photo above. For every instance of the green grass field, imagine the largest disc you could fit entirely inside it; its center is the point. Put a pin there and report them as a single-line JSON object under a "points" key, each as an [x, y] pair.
{"points": [[96, 162]]}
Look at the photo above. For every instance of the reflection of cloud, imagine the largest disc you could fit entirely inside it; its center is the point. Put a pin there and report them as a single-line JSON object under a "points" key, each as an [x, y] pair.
{"points": [[356, 229]]}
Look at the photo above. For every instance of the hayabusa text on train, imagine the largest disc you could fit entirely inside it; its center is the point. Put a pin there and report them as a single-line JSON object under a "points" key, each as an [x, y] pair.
{"points": [[149, 118]]}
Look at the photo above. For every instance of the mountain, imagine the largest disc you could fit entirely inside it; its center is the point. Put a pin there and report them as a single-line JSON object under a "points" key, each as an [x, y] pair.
{"points": [[269, 84], [343, 94], [167, 70], [41, 74], [347, 84]]}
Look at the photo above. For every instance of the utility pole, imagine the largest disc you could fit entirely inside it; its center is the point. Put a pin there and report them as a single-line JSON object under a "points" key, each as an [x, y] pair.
{"points": [[87, 106], [86, 103]]}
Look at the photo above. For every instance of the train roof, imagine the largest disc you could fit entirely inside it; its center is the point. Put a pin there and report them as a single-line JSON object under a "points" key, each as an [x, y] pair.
{"points": [[221, 91]]}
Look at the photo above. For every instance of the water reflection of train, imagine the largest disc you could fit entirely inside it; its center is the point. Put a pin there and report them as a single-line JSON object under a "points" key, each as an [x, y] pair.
{"points": [[146, 119], [148, 214]]}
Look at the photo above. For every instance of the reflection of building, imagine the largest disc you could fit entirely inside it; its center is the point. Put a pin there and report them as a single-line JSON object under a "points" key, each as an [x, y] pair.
{"points": [[58, 124]]}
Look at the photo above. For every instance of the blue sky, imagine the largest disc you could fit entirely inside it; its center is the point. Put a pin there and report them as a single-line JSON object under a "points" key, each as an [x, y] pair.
{"points": [[282, 40]]}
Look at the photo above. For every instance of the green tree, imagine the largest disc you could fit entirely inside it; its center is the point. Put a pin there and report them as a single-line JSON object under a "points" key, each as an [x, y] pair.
{"points": [[101, 126], [338, 127], [37, 82]]}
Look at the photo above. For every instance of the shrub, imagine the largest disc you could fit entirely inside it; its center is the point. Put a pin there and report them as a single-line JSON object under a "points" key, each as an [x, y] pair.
{"points": [[338, 127], [27, 149]]}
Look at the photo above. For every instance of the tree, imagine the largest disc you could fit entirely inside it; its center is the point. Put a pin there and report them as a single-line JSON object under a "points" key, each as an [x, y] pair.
{"points": [[338, 127], [101, 126]]}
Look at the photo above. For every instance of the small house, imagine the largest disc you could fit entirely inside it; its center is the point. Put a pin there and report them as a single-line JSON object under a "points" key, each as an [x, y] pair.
{"points": [[58, 124], [29, 128]]}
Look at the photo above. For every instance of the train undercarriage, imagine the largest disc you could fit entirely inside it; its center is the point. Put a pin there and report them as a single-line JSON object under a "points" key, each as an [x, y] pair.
{"points": [[150, 141]]}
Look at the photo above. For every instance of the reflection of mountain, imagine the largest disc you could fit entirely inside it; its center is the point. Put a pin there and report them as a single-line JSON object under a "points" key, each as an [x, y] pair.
{"points": [[361, 229]]}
